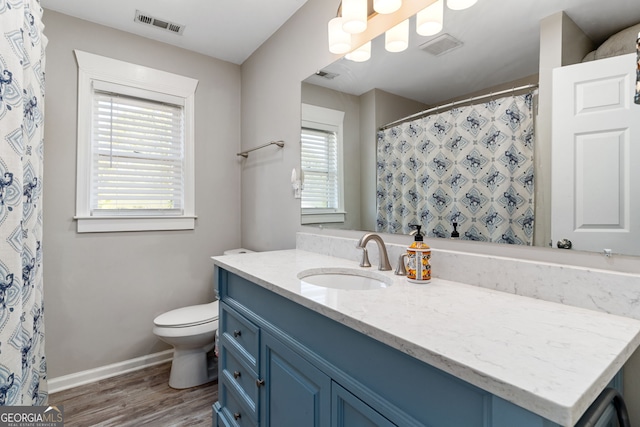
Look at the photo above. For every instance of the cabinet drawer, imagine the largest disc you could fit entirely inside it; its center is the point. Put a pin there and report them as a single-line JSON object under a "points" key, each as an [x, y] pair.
{"points": [[236, 374], [233, 412], [241, 334]]}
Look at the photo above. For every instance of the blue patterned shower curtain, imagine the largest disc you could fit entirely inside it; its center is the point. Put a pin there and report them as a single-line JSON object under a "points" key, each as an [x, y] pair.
{"points": [[22, 60], [470, 165]]}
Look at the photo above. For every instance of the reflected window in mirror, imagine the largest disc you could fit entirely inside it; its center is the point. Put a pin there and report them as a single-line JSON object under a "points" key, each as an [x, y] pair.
{"points": [[321, 164]]}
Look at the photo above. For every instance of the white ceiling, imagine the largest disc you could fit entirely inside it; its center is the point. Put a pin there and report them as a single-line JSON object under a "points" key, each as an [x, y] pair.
{"points": [[230, 30]]}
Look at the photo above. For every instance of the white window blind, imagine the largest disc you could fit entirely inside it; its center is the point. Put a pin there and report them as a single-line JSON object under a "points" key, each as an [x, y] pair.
{"points": [[319, 161], [137, 156]]}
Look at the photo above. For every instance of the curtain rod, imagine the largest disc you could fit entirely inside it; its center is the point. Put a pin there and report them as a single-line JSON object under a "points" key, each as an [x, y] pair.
{"points": [[245, 154], [454, 103]]}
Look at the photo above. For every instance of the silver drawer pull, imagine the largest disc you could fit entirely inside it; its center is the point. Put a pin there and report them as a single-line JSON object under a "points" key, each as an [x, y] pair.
{"points": [[237, 416], [259, 383], [237, 333], [236, 374]]}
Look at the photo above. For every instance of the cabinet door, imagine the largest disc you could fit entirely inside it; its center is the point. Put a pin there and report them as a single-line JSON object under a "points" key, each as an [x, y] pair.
{"points": [[295, 393], [349, 411]]}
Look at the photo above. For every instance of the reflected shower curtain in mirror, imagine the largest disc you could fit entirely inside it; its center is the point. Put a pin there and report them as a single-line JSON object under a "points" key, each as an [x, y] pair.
{"points": [[472, 165], [22, 60]]}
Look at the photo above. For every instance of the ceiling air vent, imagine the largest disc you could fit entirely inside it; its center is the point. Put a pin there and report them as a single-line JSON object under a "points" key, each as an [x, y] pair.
{"points": [[440, 45], [145, 18], [326, 75]]}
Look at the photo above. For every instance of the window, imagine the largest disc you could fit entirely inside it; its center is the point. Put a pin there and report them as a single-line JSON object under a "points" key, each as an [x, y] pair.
{"points": [[135, 147], [321, 163], [320, 166]]}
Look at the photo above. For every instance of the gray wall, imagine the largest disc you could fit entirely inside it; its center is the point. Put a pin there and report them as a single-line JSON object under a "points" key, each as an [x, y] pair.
{"points": [[103, 290], [271, 110]]}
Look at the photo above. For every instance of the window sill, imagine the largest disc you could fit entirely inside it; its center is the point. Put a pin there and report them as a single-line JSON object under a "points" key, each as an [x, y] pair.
{"points": [[317, 218], [102, 224]]}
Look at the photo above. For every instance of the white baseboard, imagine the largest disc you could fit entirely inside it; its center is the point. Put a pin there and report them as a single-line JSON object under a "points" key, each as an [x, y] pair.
{"points": [[85, 377]]}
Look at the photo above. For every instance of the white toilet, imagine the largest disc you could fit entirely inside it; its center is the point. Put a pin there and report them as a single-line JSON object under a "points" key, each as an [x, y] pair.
{"points": [[192, 333]]}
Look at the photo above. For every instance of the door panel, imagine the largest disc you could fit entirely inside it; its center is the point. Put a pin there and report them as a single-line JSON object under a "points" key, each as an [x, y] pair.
{"points": [[595, 152], [297, 394], [349, 411]]}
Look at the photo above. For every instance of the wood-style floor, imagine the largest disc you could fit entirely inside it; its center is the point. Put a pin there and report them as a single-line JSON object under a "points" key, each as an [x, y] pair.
{"points": [[140, 398]]}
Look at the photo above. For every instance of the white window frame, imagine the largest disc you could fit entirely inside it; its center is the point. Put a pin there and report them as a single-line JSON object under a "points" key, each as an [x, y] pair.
{"points": [[149, 83], [321, 118]]}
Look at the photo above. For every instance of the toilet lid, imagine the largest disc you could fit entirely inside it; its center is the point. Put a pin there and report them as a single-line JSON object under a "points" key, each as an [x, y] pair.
{"points": [[188, 316]]}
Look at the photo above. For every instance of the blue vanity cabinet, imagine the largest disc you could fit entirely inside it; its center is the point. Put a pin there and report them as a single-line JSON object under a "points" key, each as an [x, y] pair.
{"points": [[275, 386], [263, 382], [303, 369]]}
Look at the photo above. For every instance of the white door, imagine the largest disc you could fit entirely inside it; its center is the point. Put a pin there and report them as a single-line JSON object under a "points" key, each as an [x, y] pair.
{"points": [[596, 156]]}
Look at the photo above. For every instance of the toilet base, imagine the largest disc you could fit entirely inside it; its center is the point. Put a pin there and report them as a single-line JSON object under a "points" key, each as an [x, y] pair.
{"points": [[191, 368]]}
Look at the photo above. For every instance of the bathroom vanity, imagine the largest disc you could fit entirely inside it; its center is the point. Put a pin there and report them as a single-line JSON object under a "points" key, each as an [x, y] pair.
{"points": [[441, 354]]}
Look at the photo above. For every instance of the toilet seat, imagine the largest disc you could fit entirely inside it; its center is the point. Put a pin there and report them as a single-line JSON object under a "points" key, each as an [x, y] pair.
{"points": [[188, 316]]}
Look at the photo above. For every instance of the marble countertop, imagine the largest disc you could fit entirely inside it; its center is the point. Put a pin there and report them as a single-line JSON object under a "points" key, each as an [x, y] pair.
{"points": [[549, 358]]}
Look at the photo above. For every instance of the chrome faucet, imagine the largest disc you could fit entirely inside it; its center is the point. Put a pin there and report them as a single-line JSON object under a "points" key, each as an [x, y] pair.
{"points": [[382, 251]]}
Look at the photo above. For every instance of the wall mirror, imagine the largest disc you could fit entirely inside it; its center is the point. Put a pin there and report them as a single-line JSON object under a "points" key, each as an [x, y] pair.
{"points": [[498, 54]]}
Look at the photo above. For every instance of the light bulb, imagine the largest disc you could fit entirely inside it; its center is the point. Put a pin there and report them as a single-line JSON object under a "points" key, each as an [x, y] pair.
{"points": [[386, 6], [339, 40], [429, 20], [354, 16], [361, 54], [460, 4], [396, 39]]}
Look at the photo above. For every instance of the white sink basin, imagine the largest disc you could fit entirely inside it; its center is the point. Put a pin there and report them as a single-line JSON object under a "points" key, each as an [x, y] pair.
{"points": [[344, 278]]}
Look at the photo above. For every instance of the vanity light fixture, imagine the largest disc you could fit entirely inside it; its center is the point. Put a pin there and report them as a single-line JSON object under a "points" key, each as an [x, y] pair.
{"points": [[460, 4], [339, 40], [386, 6], [354, 16], [396, 39], [429, 21], [361, 54]]}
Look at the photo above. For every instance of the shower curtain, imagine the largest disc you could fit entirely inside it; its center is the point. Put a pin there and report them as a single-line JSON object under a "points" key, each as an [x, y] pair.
{"points": [[22, 60], [470, 165]]}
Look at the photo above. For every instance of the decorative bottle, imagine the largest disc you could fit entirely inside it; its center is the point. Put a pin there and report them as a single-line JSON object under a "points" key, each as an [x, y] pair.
{"points": [[418, 256]]}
